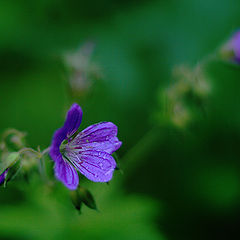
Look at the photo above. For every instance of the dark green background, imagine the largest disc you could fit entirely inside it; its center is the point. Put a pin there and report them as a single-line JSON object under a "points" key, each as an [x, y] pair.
{"points": [[184, 184]]}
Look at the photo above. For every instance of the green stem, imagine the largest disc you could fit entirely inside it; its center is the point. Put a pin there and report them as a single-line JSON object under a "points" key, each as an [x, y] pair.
{"points": [[45, 151], [209, 58], [24, 150], [139, 152]]}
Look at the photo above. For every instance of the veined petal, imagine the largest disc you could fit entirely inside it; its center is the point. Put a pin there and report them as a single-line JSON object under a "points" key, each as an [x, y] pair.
{"points": [[73, 119], [97, 166], [66, 173], [58, 137], [71, 125], [99, 137]]}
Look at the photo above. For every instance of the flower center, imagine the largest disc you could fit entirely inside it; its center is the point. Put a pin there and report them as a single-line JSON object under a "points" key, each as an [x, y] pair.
{"points": [[63, 147]]}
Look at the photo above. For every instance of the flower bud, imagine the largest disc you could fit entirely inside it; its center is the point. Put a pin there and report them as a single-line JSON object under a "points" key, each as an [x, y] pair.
{"points": [[12, 172], [8, 160], [3, 176], [13, 140], [7, 163]]}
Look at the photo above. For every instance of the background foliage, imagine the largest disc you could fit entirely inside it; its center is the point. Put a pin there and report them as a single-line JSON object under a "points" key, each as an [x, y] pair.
{"points": [[177, 183]]}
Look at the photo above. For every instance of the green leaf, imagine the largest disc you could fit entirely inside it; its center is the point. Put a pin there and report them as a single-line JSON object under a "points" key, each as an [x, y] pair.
{"points": [[7, 162]]}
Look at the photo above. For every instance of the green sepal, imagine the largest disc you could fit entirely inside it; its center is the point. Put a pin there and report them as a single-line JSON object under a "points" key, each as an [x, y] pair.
{"points": [[82, 195], [8, 161], [76, 200], [87, 198], [12, 173]]}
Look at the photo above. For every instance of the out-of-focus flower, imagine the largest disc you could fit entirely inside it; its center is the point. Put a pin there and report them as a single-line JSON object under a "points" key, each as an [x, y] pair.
{"points": [[231, 49], [82, 70], [184, 96], [3, 176], [88, 151], [190, 80], [180, 115], [12, 140]]}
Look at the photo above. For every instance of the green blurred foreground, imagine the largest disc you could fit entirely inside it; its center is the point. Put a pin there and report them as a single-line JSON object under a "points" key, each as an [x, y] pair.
{"points": [[180, 157]]}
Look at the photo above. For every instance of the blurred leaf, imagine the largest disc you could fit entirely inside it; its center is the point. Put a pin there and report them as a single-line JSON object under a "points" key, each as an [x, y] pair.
{"points": [[8, 161], [48, 214]]}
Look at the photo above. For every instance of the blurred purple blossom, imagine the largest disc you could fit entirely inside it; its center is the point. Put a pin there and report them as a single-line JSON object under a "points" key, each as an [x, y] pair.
{"points": [[232, 47], [88, 151]]}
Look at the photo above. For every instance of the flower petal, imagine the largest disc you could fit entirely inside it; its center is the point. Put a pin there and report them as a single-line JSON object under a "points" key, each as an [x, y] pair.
{"points": [[100, 137], [231, 49], [95, 165], [71, 125], [58, 137], [66, 173], [236, 44], [73, 119]]}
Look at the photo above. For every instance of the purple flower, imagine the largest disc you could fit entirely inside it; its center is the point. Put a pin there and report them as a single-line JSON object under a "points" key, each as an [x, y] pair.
{"points": [[232, 47], [3, 176], [88, 151]]}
